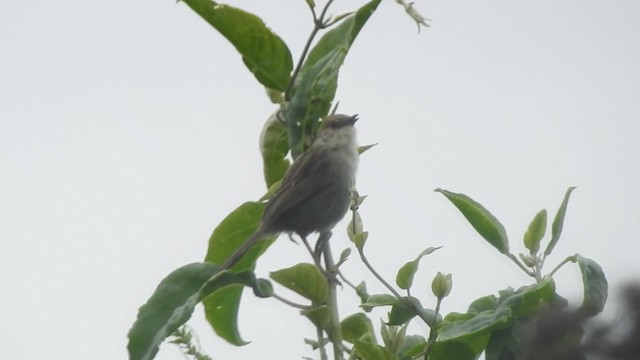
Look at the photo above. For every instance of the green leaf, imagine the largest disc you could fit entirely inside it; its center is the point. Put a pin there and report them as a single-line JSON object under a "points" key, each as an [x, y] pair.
{"points": [[403, 310], [344, 256], [481, 219], [413, 346], [221, 308], [304, 279], [319, 316], [360, 239], [558, 221], [274, 146], [363, 148], [404, 278], [370, 351], [355, 226], [316, 84], [527, 300], [596, 287], [376, 300], [233, 231], [342, 35], [393, 336], [263, 52], [361, 291], [502, 344], [535, 232], [172, 304], [481, 304], [355, 326], [511, 305], [457, 350]]}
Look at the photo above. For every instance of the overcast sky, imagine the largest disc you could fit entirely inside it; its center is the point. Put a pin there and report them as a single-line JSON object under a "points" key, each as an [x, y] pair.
{"points": [[129, 129]]}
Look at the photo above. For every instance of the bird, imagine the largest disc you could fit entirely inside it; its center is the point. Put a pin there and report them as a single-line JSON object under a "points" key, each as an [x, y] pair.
{"points": [[315, 193]]}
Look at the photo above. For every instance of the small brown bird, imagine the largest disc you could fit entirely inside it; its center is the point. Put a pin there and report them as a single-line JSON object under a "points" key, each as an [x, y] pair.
{"points": [[315, 192]]}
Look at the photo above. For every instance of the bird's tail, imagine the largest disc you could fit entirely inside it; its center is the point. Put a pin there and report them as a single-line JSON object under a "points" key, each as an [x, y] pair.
{"points": [[258, 235]]}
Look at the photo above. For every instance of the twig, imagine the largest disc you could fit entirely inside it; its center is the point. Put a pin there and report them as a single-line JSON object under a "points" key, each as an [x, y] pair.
{"points": [[290, 303], [323, 351], [375, 273], [433, 333], [332, 299], [318, 24]]}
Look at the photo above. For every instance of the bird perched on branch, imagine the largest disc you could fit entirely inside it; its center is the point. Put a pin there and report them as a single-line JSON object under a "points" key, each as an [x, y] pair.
{"points": [[315, 193]]}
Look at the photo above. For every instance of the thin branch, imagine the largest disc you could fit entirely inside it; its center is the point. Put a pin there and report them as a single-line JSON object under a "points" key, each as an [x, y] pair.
{"points": [[323, 351], [332, 299], [433, 333], [569, 259], [318, 24], [517, 262], [290, 303], [346, 281], [375, 273]]}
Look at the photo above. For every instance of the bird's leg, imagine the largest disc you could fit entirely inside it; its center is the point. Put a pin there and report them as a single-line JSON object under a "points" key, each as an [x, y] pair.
{"points": [[322, 247], [316, 259], [322, 239], [317, 256], [290, 235]]}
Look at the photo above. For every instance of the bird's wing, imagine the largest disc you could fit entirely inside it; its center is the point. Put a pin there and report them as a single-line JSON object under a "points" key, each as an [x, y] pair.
{"points": [[312, 166]]}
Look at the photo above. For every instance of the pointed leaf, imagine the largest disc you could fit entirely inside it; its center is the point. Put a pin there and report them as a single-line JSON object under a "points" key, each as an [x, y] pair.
{"points": [[511, 306], [558, 221], [376, 300], [304, 279], [448, 350], [342, 35], [319, 316], [413, 346], [274, 146], [355, 226], [363, 148], [172, 304], [370, 351], [355, 326], [404, 310], [263, 52], [316, 84], [404, 278], [596, 287], [233, 231], [535, 231], [481, 219], [221, 308], [361, 291]]}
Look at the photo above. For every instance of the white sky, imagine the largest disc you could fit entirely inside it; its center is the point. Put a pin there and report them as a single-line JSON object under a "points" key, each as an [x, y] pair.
{"points": [[128, 130]]}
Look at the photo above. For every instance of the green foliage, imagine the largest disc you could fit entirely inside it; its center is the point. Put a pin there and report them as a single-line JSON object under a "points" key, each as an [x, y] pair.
{"points": [[315, 87], [221, 309], [172, 304], [304, 279], [493, 324], [558, 221], [481, 219], [404, 279], [356, 326], [535, 232], [596, 288], [274, 146], [263, 52]]}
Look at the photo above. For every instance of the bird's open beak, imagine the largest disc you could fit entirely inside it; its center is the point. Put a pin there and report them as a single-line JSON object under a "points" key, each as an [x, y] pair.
{"points": [[353, 119]]}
